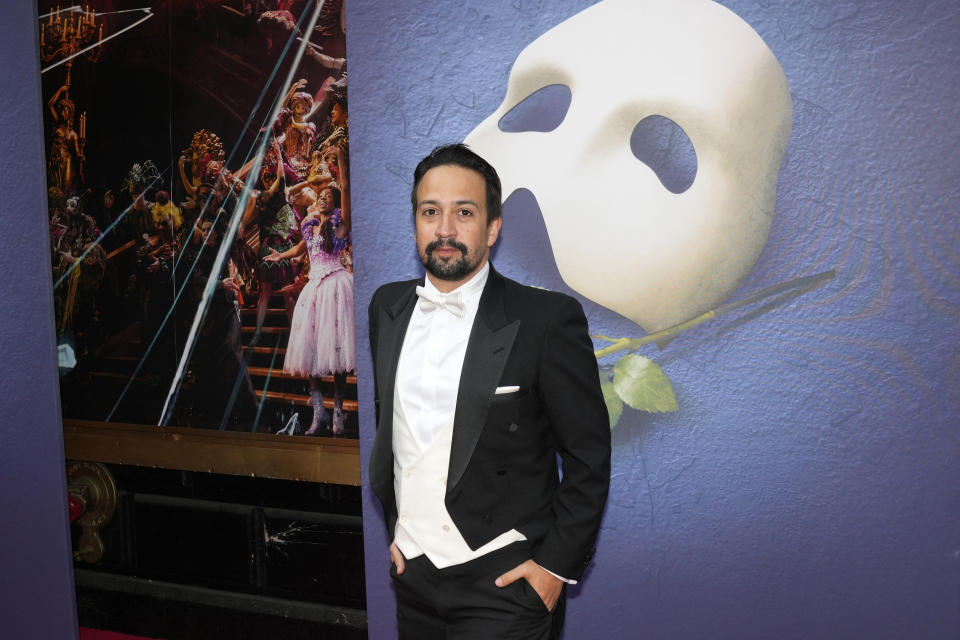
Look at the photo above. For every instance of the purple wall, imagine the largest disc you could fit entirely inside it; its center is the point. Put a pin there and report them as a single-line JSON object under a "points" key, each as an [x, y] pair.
{"points": [[809, 486], [37, 598]]}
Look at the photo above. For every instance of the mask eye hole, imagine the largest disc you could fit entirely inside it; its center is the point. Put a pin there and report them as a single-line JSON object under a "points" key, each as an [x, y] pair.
{"points": [[661, 144], [543, 110]]}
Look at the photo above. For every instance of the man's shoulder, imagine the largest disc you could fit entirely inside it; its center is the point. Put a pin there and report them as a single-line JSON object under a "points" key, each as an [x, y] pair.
{"points": [[387, 294], [537, 300]]}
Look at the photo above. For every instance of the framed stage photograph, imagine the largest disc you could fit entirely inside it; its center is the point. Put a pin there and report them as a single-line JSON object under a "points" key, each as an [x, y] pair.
{"points": [[199, 218]]}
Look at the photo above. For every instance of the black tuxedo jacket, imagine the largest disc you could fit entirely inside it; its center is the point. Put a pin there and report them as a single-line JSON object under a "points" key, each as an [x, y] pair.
{"points": [[503, 457]]}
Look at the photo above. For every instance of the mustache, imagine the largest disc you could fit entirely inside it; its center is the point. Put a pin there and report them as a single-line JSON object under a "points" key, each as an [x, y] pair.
{"points": [[449, 242]]}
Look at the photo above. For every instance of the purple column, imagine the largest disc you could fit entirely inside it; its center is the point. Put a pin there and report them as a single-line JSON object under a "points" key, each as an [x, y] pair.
{"points": [[37, 599]]}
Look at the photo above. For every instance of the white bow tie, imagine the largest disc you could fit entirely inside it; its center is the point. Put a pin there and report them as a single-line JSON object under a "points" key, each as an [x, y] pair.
{"points": [[452, 302]]}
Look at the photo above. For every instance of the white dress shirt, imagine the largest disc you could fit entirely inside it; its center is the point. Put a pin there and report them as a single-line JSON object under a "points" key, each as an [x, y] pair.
{"points": [[428, 374]]}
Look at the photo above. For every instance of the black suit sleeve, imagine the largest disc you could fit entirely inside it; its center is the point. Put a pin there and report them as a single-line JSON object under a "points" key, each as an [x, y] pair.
{"points": [[570, 391], [372, 330], [385, 493]]}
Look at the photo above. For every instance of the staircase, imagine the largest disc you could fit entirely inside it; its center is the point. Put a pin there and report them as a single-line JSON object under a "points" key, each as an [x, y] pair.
{"points": [[96, 387], [280, 393]]}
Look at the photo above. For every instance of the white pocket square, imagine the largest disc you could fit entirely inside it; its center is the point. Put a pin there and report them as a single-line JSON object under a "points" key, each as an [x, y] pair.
{"points": [[508, 389]]}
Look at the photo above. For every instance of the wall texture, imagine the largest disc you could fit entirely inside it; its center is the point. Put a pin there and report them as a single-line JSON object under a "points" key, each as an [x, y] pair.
{"points": [[808, 485], [37, 587]]}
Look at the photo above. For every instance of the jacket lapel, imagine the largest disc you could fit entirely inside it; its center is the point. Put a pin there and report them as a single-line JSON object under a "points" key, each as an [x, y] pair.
{"points": [[488, 348]]}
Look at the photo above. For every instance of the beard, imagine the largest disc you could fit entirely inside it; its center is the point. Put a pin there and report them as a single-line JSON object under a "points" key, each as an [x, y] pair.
{"points": [[451, 270]]}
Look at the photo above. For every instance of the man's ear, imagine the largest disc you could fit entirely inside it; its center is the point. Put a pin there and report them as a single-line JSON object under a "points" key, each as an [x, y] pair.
{"points": [[493, 231]]}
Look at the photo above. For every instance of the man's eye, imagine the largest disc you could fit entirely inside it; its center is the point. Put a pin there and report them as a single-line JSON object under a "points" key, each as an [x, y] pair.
{"points": [[428, 212], [466, 212]]}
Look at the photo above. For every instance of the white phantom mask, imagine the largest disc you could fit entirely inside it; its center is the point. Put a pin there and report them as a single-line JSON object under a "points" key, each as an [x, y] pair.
{"points": [[619, 237]]}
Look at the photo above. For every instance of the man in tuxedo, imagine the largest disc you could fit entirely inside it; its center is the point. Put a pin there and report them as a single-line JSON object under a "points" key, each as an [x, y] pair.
{"points": [[481, 383]]}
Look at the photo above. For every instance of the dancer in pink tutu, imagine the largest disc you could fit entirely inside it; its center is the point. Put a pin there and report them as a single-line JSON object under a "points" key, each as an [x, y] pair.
{"points": [[322, 339]]}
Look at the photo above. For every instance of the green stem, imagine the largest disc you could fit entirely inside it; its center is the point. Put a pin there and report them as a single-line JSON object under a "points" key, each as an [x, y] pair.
{"points": [[806, 283]]}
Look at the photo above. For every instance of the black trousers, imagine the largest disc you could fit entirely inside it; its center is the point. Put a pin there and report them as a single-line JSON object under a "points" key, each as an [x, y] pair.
{"points": [[463, 603]]}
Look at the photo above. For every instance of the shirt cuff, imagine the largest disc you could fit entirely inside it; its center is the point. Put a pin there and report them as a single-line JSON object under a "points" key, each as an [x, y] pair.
{"points": [[561, 578]]}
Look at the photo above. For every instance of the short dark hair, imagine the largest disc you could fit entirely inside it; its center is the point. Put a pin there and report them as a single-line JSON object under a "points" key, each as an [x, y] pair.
{"points": [[460, 155]]}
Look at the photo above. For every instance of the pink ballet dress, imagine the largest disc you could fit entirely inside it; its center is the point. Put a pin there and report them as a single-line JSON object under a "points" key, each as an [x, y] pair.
{"points": [[322, 335]]}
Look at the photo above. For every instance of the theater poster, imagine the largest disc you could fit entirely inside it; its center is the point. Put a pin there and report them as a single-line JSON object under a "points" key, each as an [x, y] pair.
{"points": [[199, 215], [756, 205]]}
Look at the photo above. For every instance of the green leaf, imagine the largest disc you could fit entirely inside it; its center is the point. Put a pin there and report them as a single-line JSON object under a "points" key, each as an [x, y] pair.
{"points": [[614, 403], [643, 385]]}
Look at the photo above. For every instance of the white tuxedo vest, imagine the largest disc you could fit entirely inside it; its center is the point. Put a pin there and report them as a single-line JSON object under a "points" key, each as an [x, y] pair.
{"points": [[420, 483]]}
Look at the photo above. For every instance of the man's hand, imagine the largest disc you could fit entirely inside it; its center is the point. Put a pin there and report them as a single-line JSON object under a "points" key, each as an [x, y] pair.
{"points": [[397, 558], [547, 586]]}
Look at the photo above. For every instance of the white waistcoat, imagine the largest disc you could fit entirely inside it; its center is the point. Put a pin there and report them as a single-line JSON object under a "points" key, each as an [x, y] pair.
{"points": [[420, 482]]}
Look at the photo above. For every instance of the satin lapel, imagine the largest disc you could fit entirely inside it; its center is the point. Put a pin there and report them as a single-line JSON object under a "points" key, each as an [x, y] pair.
{"points": [[391, 328], [488, 348]]}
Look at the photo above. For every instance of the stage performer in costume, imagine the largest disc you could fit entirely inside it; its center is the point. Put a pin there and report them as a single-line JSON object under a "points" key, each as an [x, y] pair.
{"points": [[322, 339], [480, 384], [74, 239], [278, 231], [205, 147], [299, 130], [218, 366]]}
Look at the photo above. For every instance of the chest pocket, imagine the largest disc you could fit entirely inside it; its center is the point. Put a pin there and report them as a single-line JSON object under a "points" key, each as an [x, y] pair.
{"points": [[514, 412]]}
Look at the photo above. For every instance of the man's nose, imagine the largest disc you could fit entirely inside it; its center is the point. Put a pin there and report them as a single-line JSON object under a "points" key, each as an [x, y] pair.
{"points": [[446, 228]]}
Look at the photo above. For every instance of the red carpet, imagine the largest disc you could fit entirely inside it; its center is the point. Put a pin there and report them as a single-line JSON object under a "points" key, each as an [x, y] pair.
{"points": [[97, 634]]}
